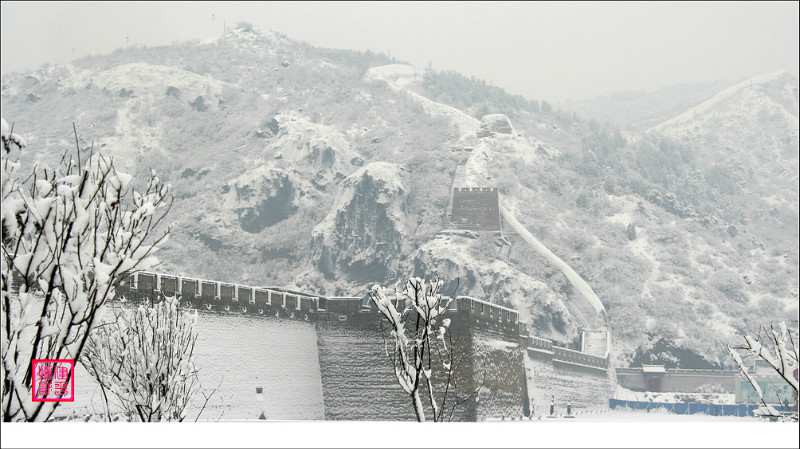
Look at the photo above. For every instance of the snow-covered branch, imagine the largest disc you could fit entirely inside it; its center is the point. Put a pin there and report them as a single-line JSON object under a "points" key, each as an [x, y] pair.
{"points": [[778, 347], [70, 235], [144, 357], [414, 314]]}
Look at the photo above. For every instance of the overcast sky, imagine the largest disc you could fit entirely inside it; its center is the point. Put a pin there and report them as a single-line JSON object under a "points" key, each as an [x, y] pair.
{"points": [[550, 51]]}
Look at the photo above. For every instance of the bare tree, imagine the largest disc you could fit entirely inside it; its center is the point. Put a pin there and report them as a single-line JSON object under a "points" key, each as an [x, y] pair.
{"points": [[778, 347], [418, 332], [69, 237], [144, 357]]}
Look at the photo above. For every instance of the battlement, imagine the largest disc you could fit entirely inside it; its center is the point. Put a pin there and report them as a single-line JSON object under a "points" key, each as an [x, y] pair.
{"points": [[545, 349], [475, 189], [218, 296], [518, 374]]}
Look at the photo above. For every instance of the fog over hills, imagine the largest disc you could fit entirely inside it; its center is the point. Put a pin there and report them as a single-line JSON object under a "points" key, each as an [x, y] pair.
{"points": [[329, 170]]}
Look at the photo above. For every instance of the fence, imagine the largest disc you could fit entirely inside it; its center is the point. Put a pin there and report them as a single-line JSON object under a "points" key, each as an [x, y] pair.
{"points": [[684, 408]]}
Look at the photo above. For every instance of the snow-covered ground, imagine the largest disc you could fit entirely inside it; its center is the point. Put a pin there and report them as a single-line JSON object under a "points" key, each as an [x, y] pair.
{"points": [[658, 415], [674, 397], [618, 415]]}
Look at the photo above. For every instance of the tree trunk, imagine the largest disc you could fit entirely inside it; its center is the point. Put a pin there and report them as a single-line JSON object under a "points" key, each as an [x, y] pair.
{"points": [[418, 406]]}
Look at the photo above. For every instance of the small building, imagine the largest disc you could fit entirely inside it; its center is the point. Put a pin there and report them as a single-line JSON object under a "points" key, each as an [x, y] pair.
{"points": [[657, 378], [653, 377]]}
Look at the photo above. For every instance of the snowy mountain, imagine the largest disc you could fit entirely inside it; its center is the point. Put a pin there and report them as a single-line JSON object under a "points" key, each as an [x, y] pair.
{"points": [[328, 170], [748, 134]]}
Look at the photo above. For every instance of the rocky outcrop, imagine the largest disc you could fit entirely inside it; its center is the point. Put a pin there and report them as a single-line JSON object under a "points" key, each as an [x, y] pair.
{"points": [[264, 196], [450, 257], [362, 236], [320, 152]]}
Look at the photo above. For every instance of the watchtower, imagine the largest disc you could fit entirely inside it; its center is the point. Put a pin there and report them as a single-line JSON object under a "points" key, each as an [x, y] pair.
{"points": [[476, 208]]}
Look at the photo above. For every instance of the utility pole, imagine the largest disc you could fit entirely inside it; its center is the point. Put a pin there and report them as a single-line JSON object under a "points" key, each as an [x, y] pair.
{"points": [[213, 16]]}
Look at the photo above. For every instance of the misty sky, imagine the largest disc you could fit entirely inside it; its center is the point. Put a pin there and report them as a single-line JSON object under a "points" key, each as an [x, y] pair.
{"points": [[550, 51]]}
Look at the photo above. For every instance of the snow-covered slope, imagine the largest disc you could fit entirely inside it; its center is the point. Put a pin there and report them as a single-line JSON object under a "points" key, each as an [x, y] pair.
{"points": [[326, 170], [366, 227], [401, 76], [746, 138], [154, 80], [733, 101]]}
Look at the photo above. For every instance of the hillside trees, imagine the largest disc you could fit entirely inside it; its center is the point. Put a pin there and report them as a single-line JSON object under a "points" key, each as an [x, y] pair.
{"points": [[457, 90], [70, 235]]}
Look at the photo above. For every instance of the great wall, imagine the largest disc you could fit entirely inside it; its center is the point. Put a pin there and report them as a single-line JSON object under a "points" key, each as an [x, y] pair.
{"points": [[281, 354], [276, 353], [519, 374]]}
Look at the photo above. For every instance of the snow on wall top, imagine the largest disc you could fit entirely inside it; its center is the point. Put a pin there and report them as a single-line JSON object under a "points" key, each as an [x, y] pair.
{"points": [[574, 278], [399, 77], [709, 105]]}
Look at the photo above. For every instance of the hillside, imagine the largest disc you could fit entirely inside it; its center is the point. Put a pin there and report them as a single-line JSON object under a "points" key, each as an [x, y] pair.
{"points": [[640, 110], [328, 170]]}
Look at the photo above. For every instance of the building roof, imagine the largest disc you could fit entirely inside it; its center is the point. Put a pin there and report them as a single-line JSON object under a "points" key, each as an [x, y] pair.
{"points": [[653, 369]]}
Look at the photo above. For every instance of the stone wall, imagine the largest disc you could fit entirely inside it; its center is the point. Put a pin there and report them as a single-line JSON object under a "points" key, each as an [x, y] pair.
{"points": [[357, 377], [500, 360], [288, 355], [476, 208], [682, 380], [238, 354], [549, 378]]}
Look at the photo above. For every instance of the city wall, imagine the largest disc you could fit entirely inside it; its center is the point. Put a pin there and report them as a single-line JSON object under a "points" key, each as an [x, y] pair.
{"points": [[274, 353]]}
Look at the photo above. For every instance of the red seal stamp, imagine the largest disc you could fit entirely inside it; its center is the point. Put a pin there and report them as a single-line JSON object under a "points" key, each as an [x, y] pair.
{"points": [[53, 380]]}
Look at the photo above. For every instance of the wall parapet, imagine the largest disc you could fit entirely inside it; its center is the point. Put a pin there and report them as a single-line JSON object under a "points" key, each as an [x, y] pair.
{"points": [[683, 372], [212, 295], [222, 296], [475, 189]]}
